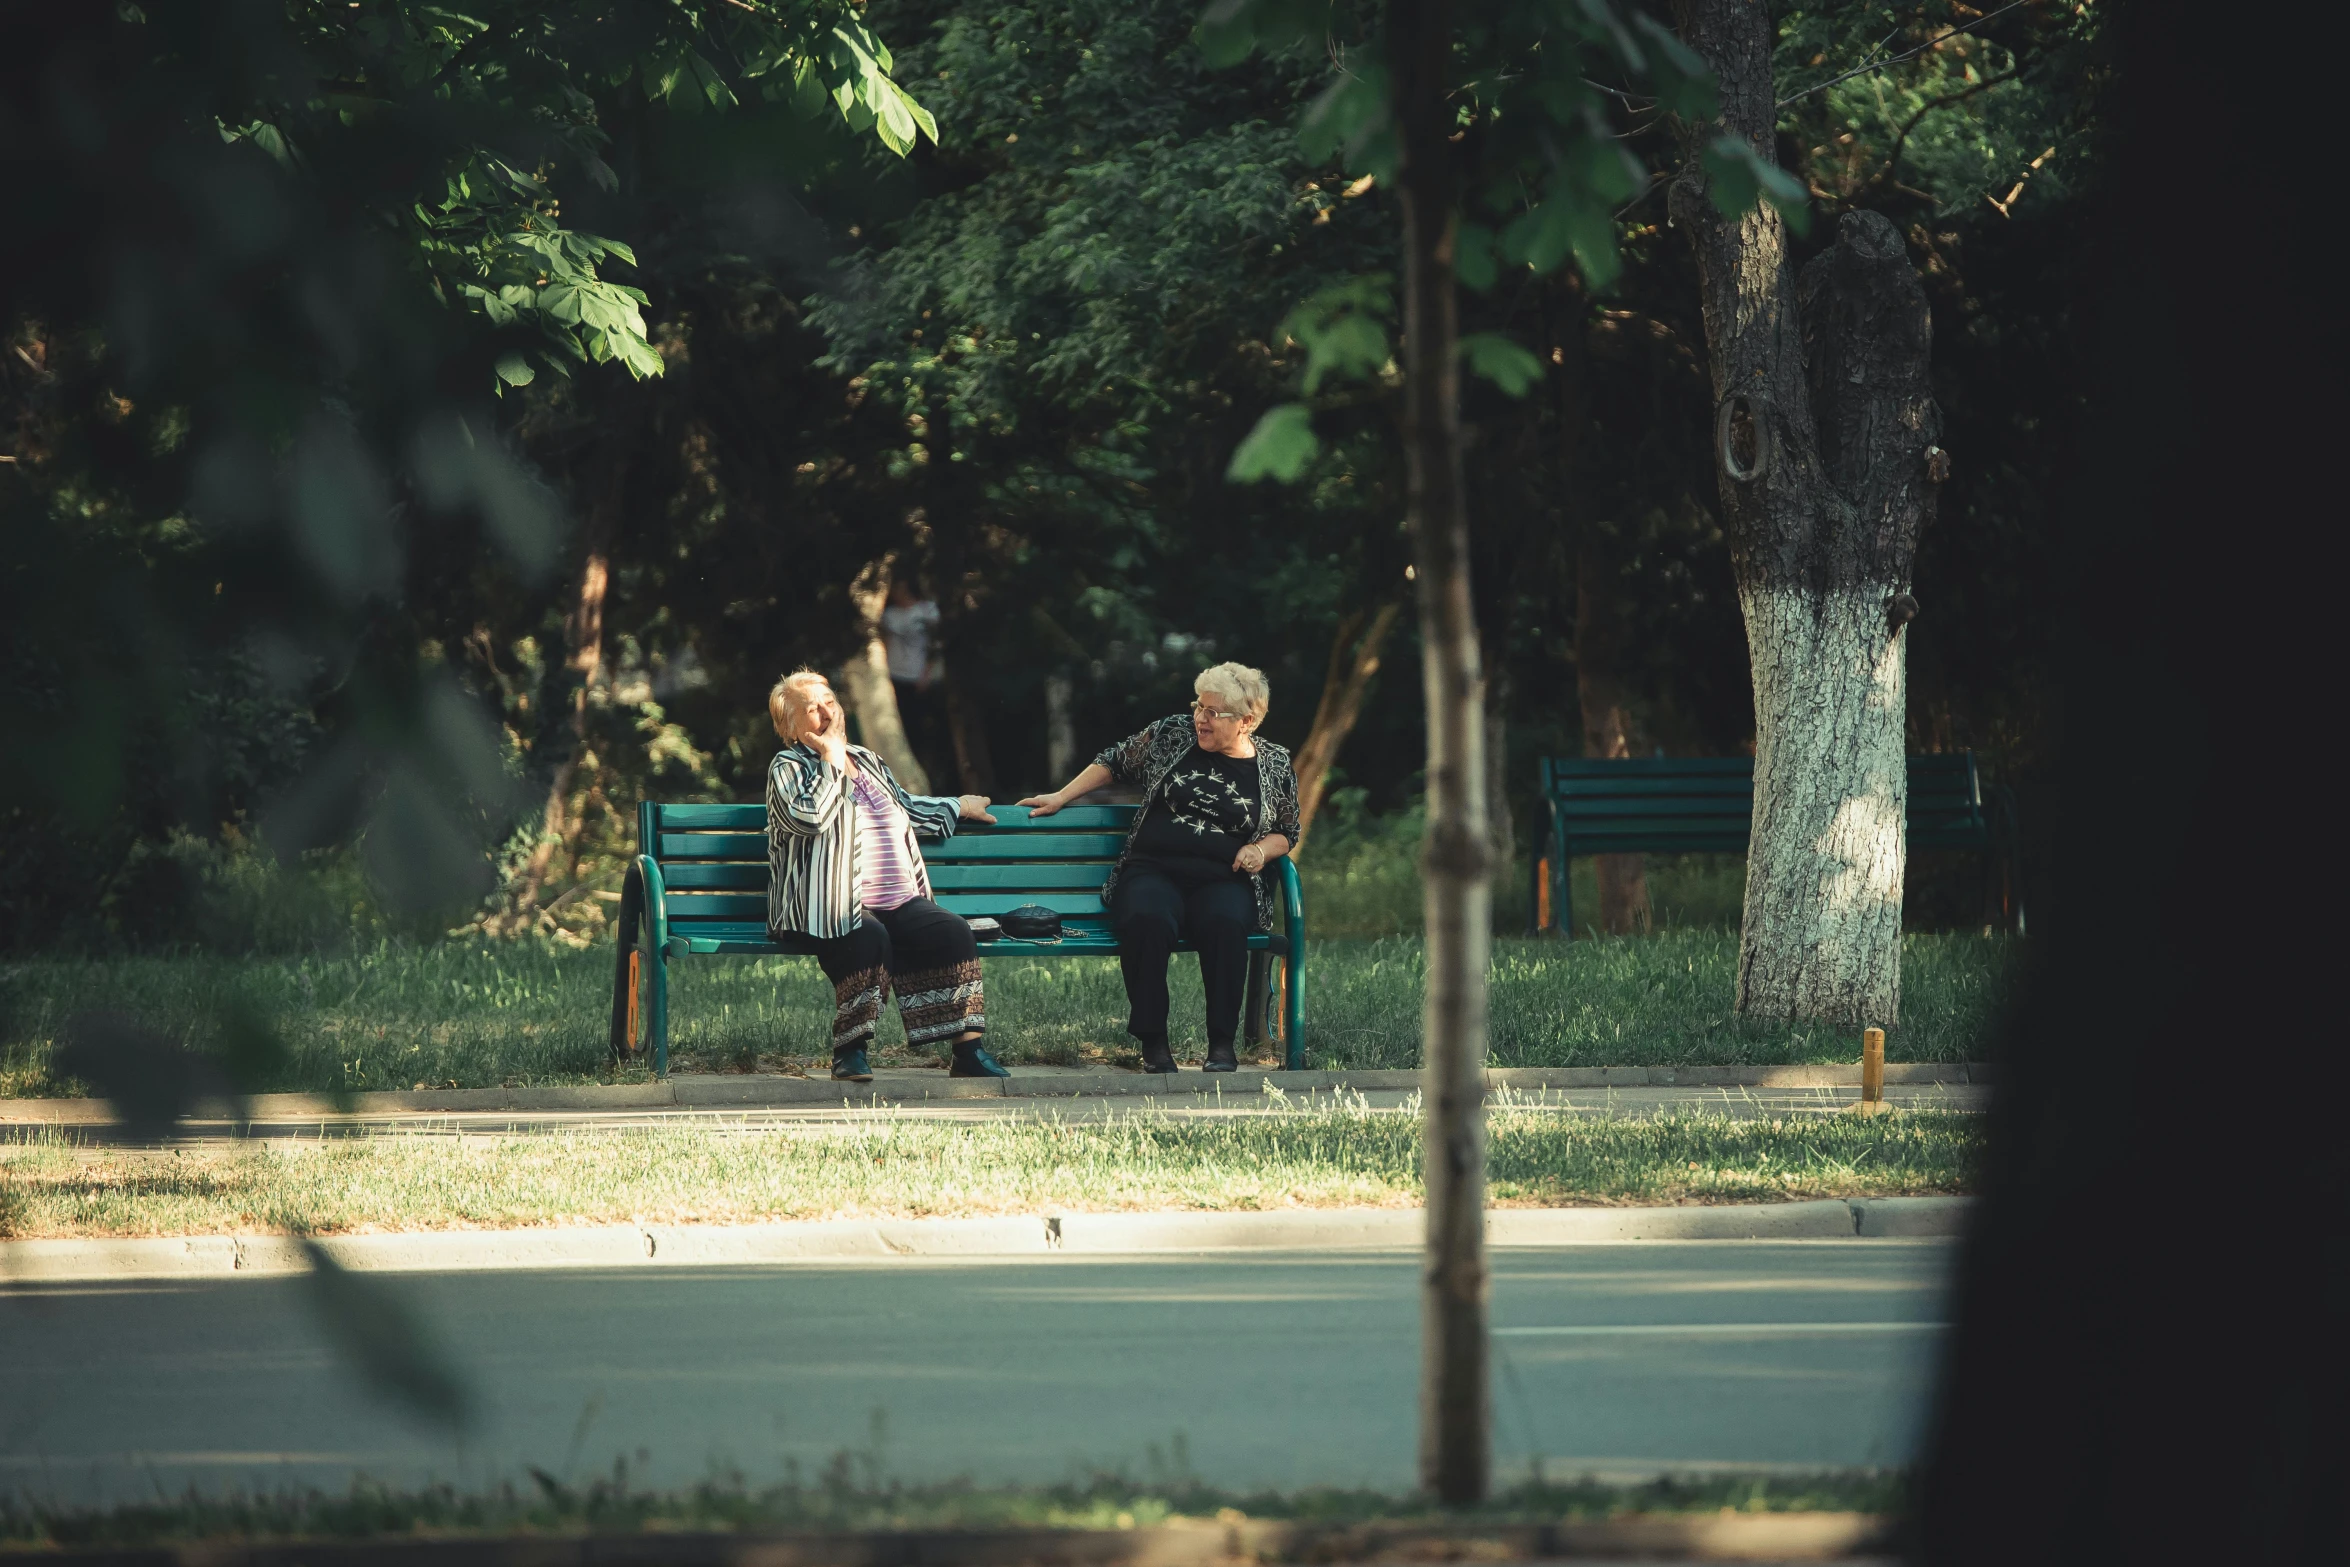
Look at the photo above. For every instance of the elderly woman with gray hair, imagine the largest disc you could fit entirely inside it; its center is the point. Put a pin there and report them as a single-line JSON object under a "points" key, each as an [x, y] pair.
{"points": [[846, 871], [1218, 805]]}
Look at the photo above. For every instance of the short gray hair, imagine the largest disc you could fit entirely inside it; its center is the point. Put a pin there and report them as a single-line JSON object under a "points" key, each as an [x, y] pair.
{"points": [[1238, 684], [782, 688]]}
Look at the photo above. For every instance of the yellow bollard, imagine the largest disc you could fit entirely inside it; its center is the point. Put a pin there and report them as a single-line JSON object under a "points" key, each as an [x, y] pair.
{"points": [[1872, 1071]]}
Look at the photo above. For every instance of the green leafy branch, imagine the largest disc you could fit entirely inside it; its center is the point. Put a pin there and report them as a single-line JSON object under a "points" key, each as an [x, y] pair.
{"points": [[1543, 165], [490, 236]]}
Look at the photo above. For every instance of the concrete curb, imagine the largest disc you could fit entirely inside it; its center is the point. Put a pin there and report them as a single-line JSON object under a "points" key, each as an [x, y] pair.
{"points": [[705, 1091], [1031, 1235], [1783, 1537]]}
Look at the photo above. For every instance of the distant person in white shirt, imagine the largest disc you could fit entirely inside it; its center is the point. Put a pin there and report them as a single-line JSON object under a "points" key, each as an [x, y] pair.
{"points": [[909, 631]]}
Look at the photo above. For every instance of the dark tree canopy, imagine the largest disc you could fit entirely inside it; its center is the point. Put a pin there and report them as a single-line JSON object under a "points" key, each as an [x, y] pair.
{"points": [[1018, 360]]}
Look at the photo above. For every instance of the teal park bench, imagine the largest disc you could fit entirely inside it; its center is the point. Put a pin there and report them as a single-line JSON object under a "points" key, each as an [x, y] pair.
{"points": [[699, 889], [1705, 805]]}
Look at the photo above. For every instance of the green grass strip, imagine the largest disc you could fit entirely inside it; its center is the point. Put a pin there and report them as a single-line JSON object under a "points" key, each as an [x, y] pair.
{"points": [[891, 1165], [482, 1014]]}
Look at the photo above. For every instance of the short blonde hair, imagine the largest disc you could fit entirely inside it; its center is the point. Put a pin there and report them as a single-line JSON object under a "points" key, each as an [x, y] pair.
{"points": [[1238, 684], [782, 688]]}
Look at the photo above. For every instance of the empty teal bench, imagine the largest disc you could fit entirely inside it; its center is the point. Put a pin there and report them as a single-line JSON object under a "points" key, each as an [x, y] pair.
{"points": [[1705, 805], [698, 888]]}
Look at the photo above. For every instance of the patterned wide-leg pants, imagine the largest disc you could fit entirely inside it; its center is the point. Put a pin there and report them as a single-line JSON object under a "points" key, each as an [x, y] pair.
{"points": [[922, 952]]}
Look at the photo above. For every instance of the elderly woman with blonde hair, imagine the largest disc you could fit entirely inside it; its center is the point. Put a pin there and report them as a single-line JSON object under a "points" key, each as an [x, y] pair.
{"points": [[1218, 805], [846, 871]]}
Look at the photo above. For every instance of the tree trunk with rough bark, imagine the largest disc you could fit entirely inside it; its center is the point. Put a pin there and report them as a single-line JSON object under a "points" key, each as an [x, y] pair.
{"points": [[1060, 728], [1607, 725], [1826, 462], [562, 819], [1354, 659], [865, 679], [1456, 857], [1501, 831], [1599, 636], [967, 722]]}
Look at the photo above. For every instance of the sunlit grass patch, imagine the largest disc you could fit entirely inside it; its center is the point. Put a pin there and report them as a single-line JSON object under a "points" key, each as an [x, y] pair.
{"points": [[846, 1496], [887, 1164]]}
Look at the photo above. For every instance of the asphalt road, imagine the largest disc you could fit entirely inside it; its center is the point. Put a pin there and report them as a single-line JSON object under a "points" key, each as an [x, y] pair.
{"points": [[1260, 1369]]}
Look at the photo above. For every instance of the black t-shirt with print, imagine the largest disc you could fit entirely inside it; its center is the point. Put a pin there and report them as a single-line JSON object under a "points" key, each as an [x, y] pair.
{"points": [[1206, 809]]}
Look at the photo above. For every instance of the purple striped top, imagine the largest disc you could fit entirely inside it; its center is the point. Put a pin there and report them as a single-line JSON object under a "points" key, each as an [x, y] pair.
{"points": [[889, 866]]}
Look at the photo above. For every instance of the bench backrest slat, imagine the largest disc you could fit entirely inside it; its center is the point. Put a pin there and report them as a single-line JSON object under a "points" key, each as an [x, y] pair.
{"points": [[709, 845], [733, 907], [1699, 804], [713, 818], [713, 862], [715, 875], [966, 876], [983, 844]]}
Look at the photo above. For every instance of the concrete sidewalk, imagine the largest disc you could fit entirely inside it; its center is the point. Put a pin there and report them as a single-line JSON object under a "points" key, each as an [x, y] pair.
{"points": [[1021, 1235], [1081, 1093]]}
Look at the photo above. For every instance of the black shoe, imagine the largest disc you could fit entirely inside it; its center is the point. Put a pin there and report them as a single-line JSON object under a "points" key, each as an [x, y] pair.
{"points": [[1221, 1058], [972, 1060], [1156, 1057], [848, 1066]]}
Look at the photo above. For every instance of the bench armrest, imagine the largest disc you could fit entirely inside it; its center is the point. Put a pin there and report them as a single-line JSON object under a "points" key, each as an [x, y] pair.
{"points": [[656, 904], [1293, 902], [1293, 966]]}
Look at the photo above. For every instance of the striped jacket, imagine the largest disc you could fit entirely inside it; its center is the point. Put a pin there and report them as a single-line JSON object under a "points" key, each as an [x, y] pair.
{"points": [[1148, 756], [813, 850]]}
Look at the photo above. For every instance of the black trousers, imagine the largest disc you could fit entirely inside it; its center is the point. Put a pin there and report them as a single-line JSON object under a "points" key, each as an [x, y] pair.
{"points": [[1204, 902], [918, 949]]}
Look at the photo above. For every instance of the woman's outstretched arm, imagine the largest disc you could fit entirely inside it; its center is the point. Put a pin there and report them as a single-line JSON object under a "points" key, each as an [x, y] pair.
{"points": [[1093, 777]]}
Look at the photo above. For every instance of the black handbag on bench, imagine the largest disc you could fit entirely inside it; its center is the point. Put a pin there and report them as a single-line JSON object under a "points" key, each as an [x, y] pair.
{"points": [[1031, 922]]}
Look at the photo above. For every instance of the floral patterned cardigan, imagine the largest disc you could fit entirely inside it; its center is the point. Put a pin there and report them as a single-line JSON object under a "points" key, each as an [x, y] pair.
{"points": [[1146, 758]]}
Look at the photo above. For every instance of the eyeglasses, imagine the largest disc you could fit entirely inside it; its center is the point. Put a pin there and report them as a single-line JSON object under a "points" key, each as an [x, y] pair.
{"points": [[1202, 710]]}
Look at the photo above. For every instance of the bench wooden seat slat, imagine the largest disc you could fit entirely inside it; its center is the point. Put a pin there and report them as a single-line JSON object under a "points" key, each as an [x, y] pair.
{"points": [[1695, 805], [701, 891], [1069, 905]]}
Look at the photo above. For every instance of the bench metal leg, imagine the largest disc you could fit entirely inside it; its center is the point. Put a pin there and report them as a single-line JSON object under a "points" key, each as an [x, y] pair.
{"points": [[1256, 998], [1293, 1012], [657, 1013], [1562, 870]]}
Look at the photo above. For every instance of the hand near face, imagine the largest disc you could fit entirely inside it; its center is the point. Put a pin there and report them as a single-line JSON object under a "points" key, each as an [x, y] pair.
{"points": [[828, 732]]}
